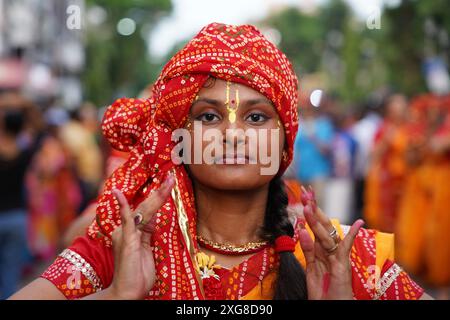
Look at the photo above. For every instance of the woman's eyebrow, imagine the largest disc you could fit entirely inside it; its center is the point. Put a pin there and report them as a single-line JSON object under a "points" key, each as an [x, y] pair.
{"points": [[214, 102], [251, 102], [219, 103]]}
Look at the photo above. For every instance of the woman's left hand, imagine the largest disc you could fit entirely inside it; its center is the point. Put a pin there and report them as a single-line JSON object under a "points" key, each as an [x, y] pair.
{"points": [[328, 269]]}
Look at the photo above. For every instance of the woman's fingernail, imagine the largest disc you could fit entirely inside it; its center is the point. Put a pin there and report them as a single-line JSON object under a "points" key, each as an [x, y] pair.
{"points": [[304, 198], [117, 195], [303, 189], [308, 194], [308, 209], [168, 182]]}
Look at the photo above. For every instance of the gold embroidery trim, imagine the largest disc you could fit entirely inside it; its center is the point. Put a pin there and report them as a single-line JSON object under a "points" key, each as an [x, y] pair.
{"points": [[81, 265], [184, 226], [386, 280]]}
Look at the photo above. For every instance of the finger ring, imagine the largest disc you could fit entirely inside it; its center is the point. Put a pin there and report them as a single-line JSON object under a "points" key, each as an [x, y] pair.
{"points": [[332, 250], [138, 218], [334, 235]]}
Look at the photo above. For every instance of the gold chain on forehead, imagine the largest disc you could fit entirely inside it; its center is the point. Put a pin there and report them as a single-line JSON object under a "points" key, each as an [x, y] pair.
{"points": [[231, 111]]}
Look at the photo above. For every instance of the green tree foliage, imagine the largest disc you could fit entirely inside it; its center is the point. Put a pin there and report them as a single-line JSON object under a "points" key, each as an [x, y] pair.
{"points": [[356, 60], [414, 31], [119, 65], [293, 26]]}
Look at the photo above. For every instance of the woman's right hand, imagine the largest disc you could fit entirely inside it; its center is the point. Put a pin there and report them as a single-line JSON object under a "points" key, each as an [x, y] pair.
{"points": [[134, 266]]}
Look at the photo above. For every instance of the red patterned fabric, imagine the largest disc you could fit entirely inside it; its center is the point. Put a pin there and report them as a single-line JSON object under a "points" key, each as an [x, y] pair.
{"points": [[143, 127], [87, 266]]}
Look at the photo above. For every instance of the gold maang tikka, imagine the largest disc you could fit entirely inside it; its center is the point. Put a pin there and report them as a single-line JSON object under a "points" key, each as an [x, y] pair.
{"points": [[231, 110]]}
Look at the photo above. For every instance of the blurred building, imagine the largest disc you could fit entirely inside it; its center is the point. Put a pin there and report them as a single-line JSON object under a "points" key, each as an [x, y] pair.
{"points": [[41, 49]]}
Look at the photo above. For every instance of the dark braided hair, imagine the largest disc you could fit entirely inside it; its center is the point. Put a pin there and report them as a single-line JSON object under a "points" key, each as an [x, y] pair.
{"points": [[291, 281]]}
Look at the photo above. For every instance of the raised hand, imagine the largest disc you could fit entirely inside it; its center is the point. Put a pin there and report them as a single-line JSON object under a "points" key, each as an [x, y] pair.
{"points": [[134, 266], [328, 269]]}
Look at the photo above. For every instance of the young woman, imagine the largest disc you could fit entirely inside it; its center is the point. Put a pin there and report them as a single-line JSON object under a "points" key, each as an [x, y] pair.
{"points": [[212, 230]]}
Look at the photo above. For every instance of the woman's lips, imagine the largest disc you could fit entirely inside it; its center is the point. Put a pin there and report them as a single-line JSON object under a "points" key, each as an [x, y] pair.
{"points": [[232, 159]]}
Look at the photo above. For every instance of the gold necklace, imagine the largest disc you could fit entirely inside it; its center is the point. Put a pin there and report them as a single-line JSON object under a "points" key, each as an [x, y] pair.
{"points": [[231, 249]]}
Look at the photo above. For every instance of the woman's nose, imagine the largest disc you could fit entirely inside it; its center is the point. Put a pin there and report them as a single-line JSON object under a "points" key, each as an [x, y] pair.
{"points": [[234, 132]]}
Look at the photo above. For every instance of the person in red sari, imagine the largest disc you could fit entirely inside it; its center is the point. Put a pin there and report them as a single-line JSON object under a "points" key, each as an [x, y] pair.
{"points": [[168, 230]]}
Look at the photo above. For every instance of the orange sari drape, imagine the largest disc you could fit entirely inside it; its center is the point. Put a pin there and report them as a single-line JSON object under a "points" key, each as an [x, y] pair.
{"points": [[437, 228], [385, 183], [413, 216], [413, 207]]}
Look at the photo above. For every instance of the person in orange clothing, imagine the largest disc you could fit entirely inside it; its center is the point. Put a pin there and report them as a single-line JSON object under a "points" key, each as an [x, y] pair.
{"points": [[387, 169], [437, 251], [413, 209]]}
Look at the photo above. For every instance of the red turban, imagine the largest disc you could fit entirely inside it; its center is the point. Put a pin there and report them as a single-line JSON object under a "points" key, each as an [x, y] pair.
{"points": [[239, 54]]}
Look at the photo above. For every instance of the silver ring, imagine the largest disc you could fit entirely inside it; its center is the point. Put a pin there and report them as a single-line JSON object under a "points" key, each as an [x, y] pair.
{"points": [[334, 235], [138, 218], [332, 250]]}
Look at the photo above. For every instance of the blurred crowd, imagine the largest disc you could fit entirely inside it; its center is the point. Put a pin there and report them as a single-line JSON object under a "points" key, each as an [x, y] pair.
{"points": [[51, 167], [387, 161]]}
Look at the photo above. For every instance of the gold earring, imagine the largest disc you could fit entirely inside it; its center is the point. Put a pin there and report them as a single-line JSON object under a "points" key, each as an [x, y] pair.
{"points": [[285, 155]]}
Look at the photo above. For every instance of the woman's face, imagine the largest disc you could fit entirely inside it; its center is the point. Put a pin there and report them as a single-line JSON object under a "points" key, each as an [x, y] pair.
{"points": [[250, 116], [396, 108]]}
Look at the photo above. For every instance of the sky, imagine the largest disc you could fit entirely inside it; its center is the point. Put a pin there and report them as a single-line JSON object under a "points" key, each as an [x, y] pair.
{"points": [[189, 16]]}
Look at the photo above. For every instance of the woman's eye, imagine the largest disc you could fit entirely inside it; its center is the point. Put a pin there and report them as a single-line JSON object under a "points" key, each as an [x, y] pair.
{"points": [[257, 117], [207, 117]]}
